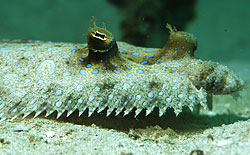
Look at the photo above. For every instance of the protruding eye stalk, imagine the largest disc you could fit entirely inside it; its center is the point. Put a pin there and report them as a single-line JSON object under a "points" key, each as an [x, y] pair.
{"points": [[100, 39]]}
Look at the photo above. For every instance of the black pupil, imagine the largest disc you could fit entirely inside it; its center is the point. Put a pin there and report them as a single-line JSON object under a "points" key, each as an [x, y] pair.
{"points": [[99, 35]]}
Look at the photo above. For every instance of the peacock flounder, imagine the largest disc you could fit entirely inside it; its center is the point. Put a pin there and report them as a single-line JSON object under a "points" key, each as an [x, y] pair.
{"points": [[104, 74]]}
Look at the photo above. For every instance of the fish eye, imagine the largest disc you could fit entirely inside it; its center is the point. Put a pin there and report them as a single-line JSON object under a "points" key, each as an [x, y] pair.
{"points": [[99, 35]]}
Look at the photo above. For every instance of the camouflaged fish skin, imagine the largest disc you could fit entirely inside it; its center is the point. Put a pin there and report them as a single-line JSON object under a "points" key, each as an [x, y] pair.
{"points": [[44, 76]]}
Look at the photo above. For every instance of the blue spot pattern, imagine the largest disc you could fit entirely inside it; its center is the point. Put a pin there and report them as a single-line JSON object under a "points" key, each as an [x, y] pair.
{"points": [[144, 62], [88, 65], [149, 56], [174, 69], [135, 54], [95, 71], [116, 71], [140, 71], [128, 67], [81, 59]]}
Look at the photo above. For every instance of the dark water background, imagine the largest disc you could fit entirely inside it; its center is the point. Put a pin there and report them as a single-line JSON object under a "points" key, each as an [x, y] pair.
{"points": [[221, 27]]}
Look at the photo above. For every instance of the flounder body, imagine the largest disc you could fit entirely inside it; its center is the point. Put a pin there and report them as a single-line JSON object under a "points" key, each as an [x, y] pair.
{"points": [[105, 74]]}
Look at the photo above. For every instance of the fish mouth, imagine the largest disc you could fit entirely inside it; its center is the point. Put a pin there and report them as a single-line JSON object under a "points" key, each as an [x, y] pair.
{"points": [[233, 84], [227, 84]]}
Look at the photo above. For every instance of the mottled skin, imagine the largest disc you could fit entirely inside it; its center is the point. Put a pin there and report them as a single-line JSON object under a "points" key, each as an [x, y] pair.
{"points": [[40, 76]]}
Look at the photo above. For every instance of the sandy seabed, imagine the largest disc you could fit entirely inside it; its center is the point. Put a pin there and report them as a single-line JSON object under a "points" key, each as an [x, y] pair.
{"points": [[224, 130]]}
